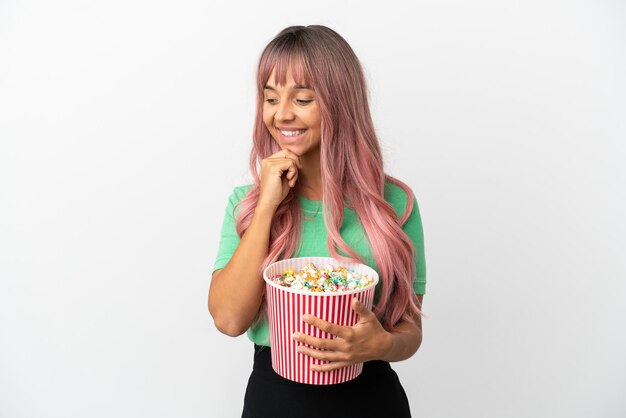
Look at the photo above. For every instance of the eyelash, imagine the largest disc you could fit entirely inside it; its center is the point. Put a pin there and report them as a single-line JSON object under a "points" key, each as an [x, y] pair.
{"points": [[302, 102]]}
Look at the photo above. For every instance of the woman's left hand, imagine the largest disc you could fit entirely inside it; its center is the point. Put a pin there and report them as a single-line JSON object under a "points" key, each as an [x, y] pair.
{"points": [[366, 340]]}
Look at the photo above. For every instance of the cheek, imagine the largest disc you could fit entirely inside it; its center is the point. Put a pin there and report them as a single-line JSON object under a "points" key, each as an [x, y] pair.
{"points": [[315, 120], [317, 124], [267, 119]]}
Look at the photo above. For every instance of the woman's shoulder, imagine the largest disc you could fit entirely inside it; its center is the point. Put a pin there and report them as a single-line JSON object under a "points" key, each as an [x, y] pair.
{"points": [[239, 192], [242, 190], [397, 196]]}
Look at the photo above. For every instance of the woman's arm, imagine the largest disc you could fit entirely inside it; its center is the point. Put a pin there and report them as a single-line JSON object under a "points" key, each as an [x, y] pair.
{"points": [[406, 340], [236, 290]]}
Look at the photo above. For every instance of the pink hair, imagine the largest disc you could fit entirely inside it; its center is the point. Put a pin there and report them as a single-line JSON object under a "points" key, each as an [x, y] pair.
{"points": [[351, 164]]}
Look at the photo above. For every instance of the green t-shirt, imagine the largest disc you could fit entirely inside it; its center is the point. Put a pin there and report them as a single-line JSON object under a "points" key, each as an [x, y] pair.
{"points": [[313, 239]]}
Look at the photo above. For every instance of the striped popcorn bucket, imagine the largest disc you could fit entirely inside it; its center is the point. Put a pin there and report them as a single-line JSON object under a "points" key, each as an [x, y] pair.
{"points": [[286, 307]]}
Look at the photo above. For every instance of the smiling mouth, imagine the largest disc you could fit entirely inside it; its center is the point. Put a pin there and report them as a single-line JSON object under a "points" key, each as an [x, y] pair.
{"points": [[292, 133]]}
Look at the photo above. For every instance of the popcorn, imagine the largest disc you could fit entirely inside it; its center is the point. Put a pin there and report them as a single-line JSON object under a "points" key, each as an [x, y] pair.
{"points": [[294, 288], [328, 279]]}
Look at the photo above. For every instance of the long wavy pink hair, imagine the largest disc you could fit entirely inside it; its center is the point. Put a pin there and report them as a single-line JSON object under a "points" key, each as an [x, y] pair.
{"points": [[351, 164]]}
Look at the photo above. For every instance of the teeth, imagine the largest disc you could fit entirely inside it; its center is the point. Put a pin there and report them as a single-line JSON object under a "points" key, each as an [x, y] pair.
{"points": [[292, 133]]}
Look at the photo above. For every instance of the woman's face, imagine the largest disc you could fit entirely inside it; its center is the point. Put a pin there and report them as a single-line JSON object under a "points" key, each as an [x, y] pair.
{"points": [[292, 115]]}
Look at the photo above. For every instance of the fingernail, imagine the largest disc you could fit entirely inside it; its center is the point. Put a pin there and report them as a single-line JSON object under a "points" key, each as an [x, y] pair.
{"points": [[295, 335], [305, 317]]}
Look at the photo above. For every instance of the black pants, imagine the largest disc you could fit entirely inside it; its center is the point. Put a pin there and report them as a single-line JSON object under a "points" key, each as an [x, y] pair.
{"points": [[375, 393]]}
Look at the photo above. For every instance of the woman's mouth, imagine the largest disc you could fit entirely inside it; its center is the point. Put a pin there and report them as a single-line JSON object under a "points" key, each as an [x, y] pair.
{"points": [[291, 133], [291, 136]]}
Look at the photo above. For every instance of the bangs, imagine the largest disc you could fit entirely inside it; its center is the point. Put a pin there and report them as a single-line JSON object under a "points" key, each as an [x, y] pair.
{"points": [[283, 59]]}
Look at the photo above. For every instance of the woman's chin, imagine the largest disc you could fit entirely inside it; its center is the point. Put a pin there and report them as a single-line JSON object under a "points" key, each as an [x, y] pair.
{"points": [[293, 148]]}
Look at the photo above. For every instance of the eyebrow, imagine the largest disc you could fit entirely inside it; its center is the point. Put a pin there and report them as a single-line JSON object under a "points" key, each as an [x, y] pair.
{"points": [[295, 87]]}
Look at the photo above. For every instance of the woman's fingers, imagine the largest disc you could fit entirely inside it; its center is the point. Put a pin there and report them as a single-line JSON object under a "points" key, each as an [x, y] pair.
{"points": [[319, 343], [323, 355], [292, 156], [279, 173], [286, 154], [292, 177], [329, 327], [286, 167], [329, 366], [292, 174], [286, 161], [364, 341]]}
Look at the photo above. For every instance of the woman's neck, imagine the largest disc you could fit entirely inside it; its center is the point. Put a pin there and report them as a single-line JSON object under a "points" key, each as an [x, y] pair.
{"points": [[310, 178]]}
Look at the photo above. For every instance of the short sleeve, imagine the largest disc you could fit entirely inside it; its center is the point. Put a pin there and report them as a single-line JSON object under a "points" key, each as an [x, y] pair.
{"points": [[397, 197], [414, 230], [229, 239]]}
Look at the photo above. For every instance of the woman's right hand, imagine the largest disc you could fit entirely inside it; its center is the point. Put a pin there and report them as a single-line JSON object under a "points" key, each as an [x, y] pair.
{"points": [[279, 173]]}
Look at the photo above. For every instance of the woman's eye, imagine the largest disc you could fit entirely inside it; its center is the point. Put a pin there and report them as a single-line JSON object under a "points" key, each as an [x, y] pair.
{"points": [[303, 101], [271, 101]]}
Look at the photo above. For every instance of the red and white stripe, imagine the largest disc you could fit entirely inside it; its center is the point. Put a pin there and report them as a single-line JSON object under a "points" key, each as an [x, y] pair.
{"points": [[286, 307]]}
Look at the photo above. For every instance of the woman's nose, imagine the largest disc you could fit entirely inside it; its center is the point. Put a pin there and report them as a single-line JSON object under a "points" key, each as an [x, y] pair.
{"points": [[284, 111]]}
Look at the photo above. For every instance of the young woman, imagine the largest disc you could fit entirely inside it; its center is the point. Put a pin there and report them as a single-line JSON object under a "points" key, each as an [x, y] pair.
{"points": [[321, 191]]}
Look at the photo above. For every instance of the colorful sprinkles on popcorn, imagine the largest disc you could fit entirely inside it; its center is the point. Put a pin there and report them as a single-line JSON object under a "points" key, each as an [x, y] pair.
{"points": [[328, 279]]}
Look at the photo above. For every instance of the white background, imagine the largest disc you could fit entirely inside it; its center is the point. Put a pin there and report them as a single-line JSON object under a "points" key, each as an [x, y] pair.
{"points": [[124, 126]]}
